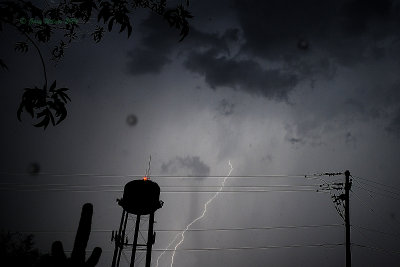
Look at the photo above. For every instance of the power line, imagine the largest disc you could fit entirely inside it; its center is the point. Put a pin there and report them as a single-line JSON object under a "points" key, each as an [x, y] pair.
{"points": [[162, 186], [154, 176], [378, 193], [162, 192], [377, 231], [377, 248], [327, 245], [365, 237], [324, 245], [378, 183], [363, 188], [202, 230], [378, 188], [375, 212]]}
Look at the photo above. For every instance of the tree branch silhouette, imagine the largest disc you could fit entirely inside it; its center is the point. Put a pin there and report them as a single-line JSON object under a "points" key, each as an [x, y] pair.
{"points": [[41, 24]]}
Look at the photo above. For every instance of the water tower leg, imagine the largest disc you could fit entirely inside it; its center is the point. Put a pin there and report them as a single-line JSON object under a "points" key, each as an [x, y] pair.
{"points": [[135, 237], [122, 238], [150, 240], [117, 241]]}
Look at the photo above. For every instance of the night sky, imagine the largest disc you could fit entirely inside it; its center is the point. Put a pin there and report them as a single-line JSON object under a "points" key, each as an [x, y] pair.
{"points": [[288, 88]]}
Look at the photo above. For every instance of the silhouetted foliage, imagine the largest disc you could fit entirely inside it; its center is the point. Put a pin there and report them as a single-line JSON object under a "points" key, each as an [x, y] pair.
{"points": [[17, 250], [57, 258], [21, 47], [39, 25], [43, 103], [3, 65]]}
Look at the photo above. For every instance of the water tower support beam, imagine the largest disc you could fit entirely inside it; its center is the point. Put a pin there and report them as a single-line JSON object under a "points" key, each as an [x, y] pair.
{"points": [[150, 240], [117, 241], [135, 238], [122, 237]]}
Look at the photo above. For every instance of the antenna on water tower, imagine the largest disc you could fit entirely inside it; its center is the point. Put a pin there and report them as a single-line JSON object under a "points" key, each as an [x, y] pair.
{"points": [[141, 197]]}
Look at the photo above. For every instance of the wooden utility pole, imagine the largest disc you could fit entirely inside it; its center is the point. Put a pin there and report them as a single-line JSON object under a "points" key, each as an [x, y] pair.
{"points": [[347, 217]]}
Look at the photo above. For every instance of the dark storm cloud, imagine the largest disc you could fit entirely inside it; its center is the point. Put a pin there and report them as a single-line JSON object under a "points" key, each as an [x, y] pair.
{"points": [[292, 135], [294, 140], [289, 32], [159, 41], [350, 138], [192, 164], [225, 107], [145, 60], [272, 28], [207, 54], [390, 98], [274, 45], [358, 14], [344, 29], [354, 105], [154, 50], [394, 125], [383, 102], [246, 75]]}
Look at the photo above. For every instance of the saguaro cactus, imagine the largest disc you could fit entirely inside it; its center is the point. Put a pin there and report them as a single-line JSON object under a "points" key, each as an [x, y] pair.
{"points": [[57, 257]]}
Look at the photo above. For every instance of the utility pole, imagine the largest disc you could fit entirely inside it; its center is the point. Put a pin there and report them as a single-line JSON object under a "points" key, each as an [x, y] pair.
{"points": [[347, 187]]}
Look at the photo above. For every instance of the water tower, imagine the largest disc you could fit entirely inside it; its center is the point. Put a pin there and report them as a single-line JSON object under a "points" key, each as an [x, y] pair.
{"points": [[141, 197]]}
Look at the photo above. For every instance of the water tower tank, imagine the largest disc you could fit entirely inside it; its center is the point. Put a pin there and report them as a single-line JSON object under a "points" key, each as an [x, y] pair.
{"points": [[141, 197]]}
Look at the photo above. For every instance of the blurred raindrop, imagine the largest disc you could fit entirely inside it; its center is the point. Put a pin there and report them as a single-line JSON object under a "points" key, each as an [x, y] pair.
{"points": [[33, 168], [131, 120]]}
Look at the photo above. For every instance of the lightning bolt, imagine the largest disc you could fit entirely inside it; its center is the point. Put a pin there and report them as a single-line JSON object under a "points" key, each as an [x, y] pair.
{"points": [[182, 234]]}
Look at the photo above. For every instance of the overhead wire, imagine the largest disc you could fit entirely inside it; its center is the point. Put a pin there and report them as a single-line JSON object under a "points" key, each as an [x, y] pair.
{"points": [[378, 193], [154, 176], [202, 229], [378, 249], [245, 188], [163, 186], [327, 245], [377, 183], [376, 188], [321, 245], [366, 238], [377, 231], [162, 192], [373, 211], [376, 246], [373, 199]]}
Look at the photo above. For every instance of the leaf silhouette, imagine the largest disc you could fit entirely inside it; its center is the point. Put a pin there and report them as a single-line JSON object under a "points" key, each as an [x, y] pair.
{"points": [[54, 13], [178, 18], [21, 47], [53, 86], [47, 105], [44, 123], [98, 34], [58, 51], [110, 24], [44, 34], [3, 65]]}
